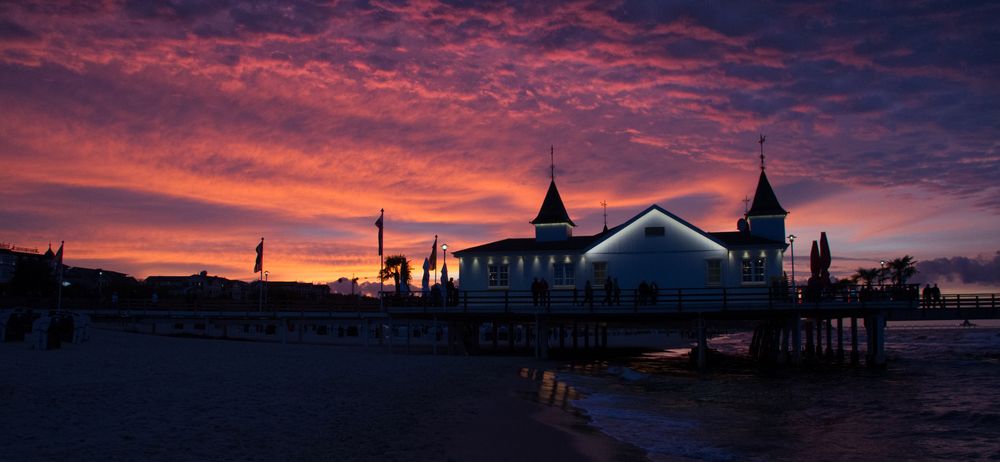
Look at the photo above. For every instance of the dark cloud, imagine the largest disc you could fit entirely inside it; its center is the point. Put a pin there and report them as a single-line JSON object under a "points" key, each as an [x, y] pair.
{"points": [[10, 30], [980, 270]]}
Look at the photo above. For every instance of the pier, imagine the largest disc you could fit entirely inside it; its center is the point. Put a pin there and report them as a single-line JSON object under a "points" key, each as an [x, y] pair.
{"points": [[789, 327]]}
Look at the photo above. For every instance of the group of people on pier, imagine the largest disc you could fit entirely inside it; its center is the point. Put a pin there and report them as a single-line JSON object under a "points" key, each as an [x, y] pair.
{"points": [[932, 296]]}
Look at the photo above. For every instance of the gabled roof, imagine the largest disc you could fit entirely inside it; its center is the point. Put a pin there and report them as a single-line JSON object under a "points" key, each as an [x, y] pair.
{"points": [[764, 200], [529, 244], [553, 210], [604, 236]]}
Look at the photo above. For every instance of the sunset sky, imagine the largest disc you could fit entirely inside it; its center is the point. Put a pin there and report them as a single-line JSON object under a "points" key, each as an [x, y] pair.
{"points": [[168, 137]]}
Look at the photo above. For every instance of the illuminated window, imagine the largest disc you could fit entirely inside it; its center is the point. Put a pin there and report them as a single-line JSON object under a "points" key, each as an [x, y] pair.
{"points": [[655, 231], [600, 272], [713, 274], [562, 274], [499, 275], [753, 269]]}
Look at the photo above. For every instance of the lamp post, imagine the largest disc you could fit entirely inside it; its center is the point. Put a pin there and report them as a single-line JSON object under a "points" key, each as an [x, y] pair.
{"points": [[791, 242], [100, 282], [881, 273], [444, 284], [265, 287]]}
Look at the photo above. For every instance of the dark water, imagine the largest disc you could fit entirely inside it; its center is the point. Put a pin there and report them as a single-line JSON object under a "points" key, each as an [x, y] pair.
{"points": [[939, 399]]}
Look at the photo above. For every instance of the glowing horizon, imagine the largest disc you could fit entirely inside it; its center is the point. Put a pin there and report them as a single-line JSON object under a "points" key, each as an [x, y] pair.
{"points": [[167, 138]]}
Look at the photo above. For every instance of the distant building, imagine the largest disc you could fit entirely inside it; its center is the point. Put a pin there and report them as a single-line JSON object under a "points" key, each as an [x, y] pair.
{"points": [[285, 290], [654, 246], [11, 255], [199, 285]]}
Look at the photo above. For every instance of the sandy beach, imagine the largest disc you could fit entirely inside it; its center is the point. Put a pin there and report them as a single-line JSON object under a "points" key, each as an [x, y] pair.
{"points": [[125, 396]]}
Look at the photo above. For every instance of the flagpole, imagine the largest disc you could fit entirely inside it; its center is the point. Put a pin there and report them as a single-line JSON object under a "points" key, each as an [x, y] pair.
{"points": [[260, 279], [381, 261], [60, 270]]}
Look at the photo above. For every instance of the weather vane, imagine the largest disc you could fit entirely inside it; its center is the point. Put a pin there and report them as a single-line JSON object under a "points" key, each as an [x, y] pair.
{"points": [[761, 141], [552, 162], [605, 205]]}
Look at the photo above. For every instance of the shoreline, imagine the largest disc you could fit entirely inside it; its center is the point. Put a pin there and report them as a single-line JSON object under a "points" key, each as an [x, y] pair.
{"points": [[129, 396]]}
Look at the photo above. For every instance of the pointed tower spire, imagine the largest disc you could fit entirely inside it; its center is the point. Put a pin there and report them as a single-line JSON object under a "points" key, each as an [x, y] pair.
{"points": [[552, 162], [761, 141]]}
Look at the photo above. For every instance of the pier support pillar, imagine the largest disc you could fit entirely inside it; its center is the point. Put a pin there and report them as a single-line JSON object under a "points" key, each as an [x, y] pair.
{"points": [[829, 339], [810, 347], [434, 332], [562, 336], [604, 336], [797, 340], [702, 347], [597, 335], [783, 356], [575, 336], [510, 336], [541, 340], [409, 332], [496, 335], [819, 339], [364, 330], [880, 339], [840, 340], [855, 356], [586, 336]]}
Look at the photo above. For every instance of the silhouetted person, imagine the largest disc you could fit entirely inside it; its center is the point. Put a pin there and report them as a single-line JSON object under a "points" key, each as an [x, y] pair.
{"points": [[643, 293], [936, 294], [543, 287], [608, 291], [452, 292], [535, 291], [588, 294], [926, 295], [654, 291], [618, 292]]}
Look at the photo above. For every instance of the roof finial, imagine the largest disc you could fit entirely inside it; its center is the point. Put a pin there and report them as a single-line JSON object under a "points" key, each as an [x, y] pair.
{"points": [[552, 162], [761, 141], [746, 205], [605, 205]]}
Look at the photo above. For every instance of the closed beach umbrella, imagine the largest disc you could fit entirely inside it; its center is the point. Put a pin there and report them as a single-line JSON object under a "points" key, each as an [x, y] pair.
{"points": [[814, 263], [425, 282], [824, 252]]}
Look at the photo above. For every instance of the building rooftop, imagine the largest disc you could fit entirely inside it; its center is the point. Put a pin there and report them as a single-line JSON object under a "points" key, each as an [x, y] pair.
{"points": [[764, 200], [553, 210]]}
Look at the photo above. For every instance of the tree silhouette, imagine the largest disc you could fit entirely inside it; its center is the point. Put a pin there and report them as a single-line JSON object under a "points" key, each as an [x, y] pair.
{"points": [[867, 275], [902, 268], [398, 268]]}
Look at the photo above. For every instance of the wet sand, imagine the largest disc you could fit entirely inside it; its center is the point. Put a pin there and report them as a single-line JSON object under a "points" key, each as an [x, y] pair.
{"points": [[126, 396]]}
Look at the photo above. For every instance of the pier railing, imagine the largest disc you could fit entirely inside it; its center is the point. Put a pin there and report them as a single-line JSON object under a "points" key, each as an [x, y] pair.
{"points": [[570, 300]]}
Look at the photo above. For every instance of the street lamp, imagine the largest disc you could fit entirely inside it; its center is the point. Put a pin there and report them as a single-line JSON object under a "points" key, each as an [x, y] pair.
{"points": [[791, 242], [881, 273], [444, 247]]}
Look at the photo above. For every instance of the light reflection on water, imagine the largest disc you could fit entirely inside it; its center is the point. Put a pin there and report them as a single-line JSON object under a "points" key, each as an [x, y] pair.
{"points": [[937, 400]]}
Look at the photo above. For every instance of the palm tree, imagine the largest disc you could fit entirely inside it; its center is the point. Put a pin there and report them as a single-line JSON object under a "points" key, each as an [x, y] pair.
{"points": [[868, 275], [398, 268], [902, 268]]}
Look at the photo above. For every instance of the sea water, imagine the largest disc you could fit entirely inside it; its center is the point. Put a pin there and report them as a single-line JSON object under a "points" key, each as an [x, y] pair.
{"points": [[938, 399]]}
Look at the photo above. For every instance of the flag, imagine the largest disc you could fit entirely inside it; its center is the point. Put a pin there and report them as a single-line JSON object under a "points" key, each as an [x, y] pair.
{"points": [[434, 254], [378, 224], [57, 264], [259, 265]]}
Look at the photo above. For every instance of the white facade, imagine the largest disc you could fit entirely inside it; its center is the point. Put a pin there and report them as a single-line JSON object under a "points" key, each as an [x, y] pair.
{"points": [[655, 246]]}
